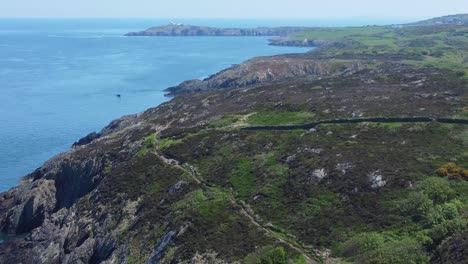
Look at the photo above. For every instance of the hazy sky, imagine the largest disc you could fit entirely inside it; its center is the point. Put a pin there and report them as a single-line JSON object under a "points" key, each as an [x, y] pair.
{"points": [[232, 8]]}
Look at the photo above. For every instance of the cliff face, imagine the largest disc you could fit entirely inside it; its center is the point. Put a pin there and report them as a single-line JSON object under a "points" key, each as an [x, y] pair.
{"points": [[265, 70], [189, 30]]}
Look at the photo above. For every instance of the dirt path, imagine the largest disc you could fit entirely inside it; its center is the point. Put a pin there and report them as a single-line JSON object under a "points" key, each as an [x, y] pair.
{"points": [[273, 235], [247, 211], [191, 171]]}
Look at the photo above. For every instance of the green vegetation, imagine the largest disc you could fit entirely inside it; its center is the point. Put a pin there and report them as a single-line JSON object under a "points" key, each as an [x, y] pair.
{"points": [[442, 46], [275, 173], [167, 142], [148, 145], [339, 33], [203, 204], [280, 118], [273, 255], [436, 208], [378, 248], [268, 255], [242, 178], [212, 212], [107, 167], [435, 214], [225, 121]]}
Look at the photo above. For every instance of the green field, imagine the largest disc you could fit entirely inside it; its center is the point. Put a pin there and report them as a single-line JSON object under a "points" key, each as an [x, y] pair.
{"points": [[436, 46]]}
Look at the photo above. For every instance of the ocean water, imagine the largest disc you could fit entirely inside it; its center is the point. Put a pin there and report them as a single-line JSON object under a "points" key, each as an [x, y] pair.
{"points": [[59, 79]]}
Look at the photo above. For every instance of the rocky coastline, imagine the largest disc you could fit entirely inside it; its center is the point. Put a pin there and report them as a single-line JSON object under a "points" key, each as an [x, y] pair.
{"points": [[282, 157]]}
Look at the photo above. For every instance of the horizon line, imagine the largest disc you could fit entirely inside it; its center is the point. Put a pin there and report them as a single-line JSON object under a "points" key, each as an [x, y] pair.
{"points": [[227, 18]]}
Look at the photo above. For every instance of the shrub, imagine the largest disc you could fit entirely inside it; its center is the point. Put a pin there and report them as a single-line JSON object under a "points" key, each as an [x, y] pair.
{"points": [[373, 248], [148, 145], [225, 121], [267, 255], [446, 228], [435, 211], [417, 205], [276, 256], [362, 243], [451, 171], [437, 189], [404, 251]]}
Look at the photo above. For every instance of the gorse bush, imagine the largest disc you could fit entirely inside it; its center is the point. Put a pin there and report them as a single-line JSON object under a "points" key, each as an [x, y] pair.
{"points": [[451, 171]]}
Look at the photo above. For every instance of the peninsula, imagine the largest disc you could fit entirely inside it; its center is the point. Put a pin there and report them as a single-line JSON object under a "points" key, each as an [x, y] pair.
{"points": [[190, 30]]}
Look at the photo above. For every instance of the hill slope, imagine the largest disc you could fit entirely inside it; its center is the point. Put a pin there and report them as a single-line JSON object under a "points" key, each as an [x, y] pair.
{"points": [[185, 182], [460, 19]]}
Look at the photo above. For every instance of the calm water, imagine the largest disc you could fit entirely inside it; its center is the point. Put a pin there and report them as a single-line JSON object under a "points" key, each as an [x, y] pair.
{"points": [[59, 80], [59, 77]]}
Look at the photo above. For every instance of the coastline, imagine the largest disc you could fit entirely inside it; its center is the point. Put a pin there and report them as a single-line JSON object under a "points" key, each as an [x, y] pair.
{"points": [[141, 76], [293, 152]]}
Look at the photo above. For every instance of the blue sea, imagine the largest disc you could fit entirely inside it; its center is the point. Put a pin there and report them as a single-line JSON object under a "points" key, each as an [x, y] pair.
{"points": [[59, 77]]}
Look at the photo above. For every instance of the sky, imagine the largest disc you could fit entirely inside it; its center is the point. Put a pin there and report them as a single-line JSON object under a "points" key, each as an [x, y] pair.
{"points": [[233, 8]]}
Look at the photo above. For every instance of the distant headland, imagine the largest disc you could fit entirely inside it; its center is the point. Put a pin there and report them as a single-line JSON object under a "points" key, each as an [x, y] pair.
{"points": [[174, 29]]}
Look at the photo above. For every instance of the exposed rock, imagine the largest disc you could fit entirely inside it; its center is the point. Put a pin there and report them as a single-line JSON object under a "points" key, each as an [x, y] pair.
{"points": [[161, 246], [177, 187], [290, 41], [262, 70], [86, 140], [319, 174], [376, 179], [290, 158], [207, 258], [343, 167]]}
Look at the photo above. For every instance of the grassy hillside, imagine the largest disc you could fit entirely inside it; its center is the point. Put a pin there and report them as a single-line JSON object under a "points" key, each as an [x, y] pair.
{"points": [[442, 46]]}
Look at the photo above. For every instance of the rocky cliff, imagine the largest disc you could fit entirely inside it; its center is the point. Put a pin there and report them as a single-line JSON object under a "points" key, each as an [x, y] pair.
{"points": [[265, 70]]}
